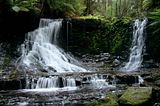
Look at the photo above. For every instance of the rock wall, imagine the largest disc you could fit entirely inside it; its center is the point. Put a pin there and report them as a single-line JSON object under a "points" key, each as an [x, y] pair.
{"points": [[13, 27]]}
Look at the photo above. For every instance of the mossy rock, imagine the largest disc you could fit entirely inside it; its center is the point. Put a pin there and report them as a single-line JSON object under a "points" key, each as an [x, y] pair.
{"points": [[157, 82], [136, 96], [110, 100]]}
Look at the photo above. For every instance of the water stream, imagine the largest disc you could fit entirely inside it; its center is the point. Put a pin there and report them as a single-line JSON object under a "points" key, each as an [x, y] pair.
{"points": [[55, 78], [41, 52], [41, 49], [138, 44]]}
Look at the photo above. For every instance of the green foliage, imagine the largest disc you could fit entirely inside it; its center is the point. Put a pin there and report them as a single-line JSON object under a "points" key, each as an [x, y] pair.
{"points": [[115, 8], [14, 74], [70, 7], [150, 4], [103, 8], [147, 4], [97, 17], [24, 5], [155, 17], [6, 62], [117, 44], [107, 35], [136, 96], [153, 32]]}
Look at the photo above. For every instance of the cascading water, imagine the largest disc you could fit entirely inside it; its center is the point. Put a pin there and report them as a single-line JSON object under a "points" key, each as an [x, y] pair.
{"points": [[137, 47], [53, 82], [41, 50]]}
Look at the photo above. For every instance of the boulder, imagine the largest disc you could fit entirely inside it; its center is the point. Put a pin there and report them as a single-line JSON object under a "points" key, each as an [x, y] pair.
{"points": [[136, 96], [157, 82], [111, 100], [116, 63]]}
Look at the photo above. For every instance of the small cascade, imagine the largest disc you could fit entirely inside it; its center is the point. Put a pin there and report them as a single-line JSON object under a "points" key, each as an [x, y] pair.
{"points": [[40, 50], [99, 83], [69, 82], [140, 80], [138, 43], [55, 82], [51, 82], [95, 81]]}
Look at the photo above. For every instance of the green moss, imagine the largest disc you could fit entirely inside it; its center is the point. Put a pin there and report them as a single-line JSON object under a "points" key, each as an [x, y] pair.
{"points": [[94, 35], [110, 100], [6, 61], [13, 74], [91, 17], [136, 96], [25, 5]]}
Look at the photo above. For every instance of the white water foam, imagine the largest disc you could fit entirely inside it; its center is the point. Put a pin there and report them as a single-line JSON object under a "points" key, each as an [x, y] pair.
{"points": [[50, 89], [138, 43], [100, 83], [41, 51], [54, 82]]}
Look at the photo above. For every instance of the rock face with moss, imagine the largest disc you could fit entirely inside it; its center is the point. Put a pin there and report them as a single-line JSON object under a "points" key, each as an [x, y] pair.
{"points": [[96, 35], [136, 96], [110, 100]]}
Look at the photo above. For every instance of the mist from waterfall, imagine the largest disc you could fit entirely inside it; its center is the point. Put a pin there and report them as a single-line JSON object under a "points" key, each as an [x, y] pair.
{"points": [[138, 44], [41, 51]]}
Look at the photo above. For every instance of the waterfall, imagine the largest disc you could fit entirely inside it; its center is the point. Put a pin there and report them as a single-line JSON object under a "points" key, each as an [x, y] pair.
{"points": [[41, 52], [54, 82], [138, 43], [94, 81]]}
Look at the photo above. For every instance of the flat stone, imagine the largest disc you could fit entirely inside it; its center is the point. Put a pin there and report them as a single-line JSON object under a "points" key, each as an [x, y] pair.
{"points": [[136, 96]]}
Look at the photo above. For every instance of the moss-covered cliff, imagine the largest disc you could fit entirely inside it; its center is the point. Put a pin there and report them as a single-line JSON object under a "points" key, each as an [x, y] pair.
{"points": [[94, 36]]}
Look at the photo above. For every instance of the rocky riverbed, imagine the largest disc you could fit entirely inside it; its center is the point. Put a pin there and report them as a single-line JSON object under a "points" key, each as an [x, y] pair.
{"points": [[13, 84], [83, 95]]}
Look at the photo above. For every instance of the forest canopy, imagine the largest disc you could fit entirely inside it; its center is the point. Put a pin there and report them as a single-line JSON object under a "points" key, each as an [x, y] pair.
{"points": [[72, 8]]}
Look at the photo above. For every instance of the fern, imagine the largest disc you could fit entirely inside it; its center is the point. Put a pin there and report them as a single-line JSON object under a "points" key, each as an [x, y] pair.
{"points": [[24, 5], [154, 17]]}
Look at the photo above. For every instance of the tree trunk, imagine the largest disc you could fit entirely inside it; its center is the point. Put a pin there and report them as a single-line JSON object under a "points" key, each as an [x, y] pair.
{"points": [[120, 8], [117, 8]]}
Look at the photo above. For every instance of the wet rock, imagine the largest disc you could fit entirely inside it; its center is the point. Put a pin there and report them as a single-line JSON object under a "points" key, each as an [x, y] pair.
{"points": [[149, 78], [78, 83], [12, 84], [156, 96], [111, 79], [84, 79], [116, 63], [43, 70], [60, 80], [157, 82], [96, 58], [110, 100], [136, 96], [126, 79], [150, 64]]}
